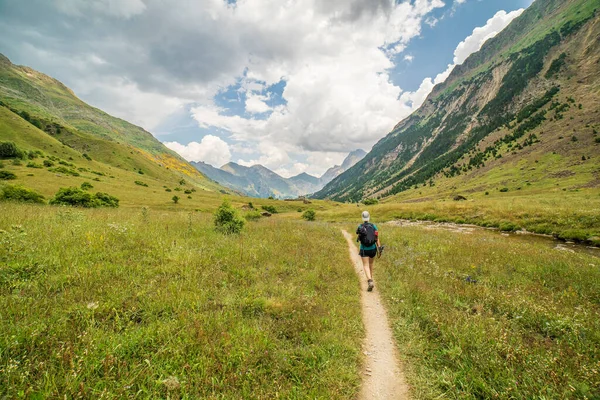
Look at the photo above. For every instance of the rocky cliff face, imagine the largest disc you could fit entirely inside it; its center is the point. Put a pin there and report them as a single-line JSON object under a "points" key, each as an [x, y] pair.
{"points": [[505, 100]]}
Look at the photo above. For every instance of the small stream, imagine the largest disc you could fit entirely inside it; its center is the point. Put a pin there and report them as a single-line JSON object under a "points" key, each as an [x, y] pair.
{"points": [[522, 236]]}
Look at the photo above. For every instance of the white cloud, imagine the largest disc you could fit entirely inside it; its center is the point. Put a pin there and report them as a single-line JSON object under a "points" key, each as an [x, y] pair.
{"points": [[255, 104], [409, 58], [211, 149], [481, 34], [116, 8]]}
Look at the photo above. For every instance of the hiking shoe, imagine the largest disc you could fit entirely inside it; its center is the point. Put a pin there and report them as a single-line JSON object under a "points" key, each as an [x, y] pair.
{"points": [[371, 286]]}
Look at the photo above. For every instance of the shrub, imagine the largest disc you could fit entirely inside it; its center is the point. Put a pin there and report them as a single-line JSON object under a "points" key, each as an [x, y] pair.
{"points": [[270, 209], [16, 161], [86, 156], [106, 200], [10, 150], [252, 215], [32, 164], [187, 191], [64, 170], [227, 220], [370, 202], [177, 189], [1, 164], [251, 205], [140, 183], [309, 215], [74, 196], [504, 190], [86, 186], [168, 190], [175, 199], [6, 176], [22, 194], [182, 182], [48, 163]]}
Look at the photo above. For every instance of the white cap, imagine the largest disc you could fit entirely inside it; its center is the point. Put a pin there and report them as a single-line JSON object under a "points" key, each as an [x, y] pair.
{"points": [[365, 216]]}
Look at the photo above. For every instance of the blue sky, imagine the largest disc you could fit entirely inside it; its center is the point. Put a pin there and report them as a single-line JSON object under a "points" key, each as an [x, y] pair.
{"points": [[293, 85]]}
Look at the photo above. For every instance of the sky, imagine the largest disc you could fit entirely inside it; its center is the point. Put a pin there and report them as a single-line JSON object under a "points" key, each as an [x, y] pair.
{"points": [[294, 85]]}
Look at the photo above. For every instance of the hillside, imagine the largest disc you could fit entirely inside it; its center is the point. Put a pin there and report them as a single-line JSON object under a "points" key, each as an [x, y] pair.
{"points": [[520, 114], [52, 107], [259, 181], [45, 119]]}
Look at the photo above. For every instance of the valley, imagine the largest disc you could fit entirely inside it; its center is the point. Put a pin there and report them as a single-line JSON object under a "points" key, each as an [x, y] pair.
{"points": [[128, 272]]}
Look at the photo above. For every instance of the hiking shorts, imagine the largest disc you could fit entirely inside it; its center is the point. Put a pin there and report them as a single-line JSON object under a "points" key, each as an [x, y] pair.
{"points": [[368, 253]]}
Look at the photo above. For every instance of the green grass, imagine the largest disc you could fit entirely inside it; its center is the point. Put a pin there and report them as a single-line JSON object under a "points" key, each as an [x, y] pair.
{"points": [[153, 304], [528, 327]]}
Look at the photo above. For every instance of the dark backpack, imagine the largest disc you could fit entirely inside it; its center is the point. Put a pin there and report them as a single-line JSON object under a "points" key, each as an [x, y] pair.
{"points": [[366, 234]]}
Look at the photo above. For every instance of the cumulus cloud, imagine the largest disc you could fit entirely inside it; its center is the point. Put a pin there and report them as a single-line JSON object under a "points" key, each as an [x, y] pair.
{"points": [[117, 8], [144, 59], [211, 150]]}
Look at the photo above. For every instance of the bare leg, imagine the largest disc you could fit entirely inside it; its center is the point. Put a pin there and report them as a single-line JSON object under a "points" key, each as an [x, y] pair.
{"points": [[366, 266], [371, 263]]}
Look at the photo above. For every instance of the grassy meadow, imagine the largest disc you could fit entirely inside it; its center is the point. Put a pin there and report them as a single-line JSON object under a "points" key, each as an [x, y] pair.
{"points": [[477, 316], [145, 303]]}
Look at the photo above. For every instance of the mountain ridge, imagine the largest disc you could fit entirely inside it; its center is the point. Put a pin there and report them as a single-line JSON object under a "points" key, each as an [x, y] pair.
{"points": [[492, 105], [259, 181]]}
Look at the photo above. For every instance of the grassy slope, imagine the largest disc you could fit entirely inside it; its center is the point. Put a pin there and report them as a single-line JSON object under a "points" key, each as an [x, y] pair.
{"points": [[527, 329], [89, 130], [156, 304]]}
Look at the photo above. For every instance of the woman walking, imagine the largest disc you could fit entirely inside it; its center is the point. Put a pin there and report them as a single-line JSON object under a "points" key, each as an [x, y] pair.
{"points": [[368, 236]]}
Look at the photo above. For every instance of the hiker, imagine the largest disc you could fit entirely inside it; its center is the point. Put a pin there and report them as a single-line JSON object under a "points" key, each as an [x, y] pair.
{"points": [[368, 236]]}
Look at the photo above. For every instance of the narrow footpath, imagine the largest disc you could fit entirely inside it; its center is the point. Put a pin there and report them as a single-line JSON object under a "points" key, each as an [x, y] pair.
{"points": [[382, 376]]}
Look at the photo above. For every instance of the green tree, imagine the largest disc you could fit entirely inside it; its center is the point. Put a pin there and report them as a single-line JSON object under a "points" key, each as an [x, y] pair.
{"points": [[175, 199]]}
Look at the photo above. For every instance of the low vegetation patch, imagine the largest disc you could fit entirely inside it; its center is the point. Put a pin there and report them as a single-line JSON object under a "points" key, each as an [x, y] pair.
{"points": [[109, 302], [309, 215], [77, 197], [140, 183], [21, 194], [478, 316], [227, 219], [270, 209], [10, 150], [7, 176]]}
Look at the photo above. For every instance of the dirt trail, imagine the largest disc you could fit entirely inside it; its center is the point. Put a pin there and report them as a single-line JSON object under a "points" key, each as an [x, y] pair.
{"points": [[382, 374]]}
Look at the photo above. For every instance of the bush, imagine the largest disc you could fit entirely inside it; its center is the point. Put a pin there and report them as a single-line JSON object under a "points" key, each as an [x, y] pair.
{"points": [[86, 186], [504, 190], [175, 199], [270, 209], [227, 219], [22, 194], [32, 164], [48, 163], [64, 170], [309, 215], [106, 200], [10, 150], [370, 202], [140, 183], [252, 215], [86, 156], [74, 196], [1, 165], [6, 176], [168, 190]]}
